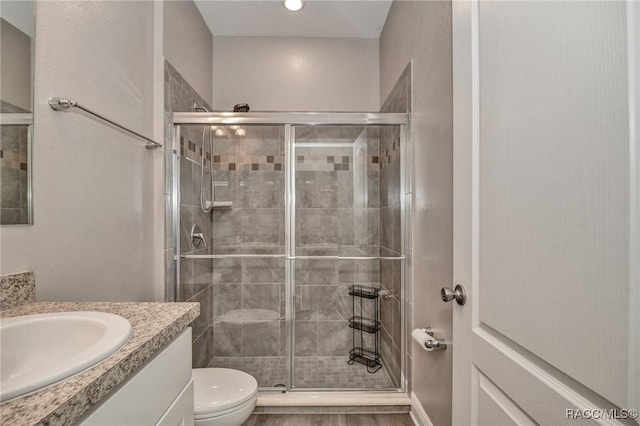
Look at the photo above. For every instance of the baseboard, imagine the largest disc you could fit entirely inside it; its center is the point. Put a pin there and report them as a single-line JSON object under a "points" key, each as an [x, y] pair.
{"points": [[418, 415]]}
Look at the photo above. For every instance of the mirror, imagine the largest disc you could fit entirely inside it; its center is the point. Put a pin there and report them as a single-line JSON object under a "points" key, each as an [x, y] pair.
{"points": [[16, 111]]}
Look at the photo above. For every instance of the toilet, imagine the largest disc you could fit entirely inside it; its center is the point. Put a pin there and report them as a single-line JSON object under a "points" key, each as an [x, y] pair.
{"points": [[222, 396]]}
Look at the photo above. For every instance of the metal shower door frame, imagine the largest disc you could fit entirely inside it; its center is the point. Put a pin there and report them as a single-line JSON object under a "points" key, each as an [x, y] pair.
{"points": [[289, 120]]}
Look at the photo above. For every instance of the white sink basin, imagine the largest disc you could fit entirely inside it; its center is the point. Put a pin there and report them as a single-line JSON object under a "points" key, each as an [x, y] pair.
{"points": [[38, 350]]}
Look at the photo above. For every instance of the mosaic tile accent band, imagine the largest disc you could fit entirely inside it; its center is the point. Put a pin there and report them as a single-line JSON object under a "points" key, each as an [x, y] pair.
{"points": [[13, 160], [338, 163], [248, 162], [330, 163], [389, 157], [193, 151]]}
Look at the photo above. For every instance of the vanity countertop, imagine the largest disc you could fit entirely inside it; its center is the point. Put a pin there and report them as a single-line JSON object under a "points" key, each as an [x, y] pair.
{"points": [[65, 402]]}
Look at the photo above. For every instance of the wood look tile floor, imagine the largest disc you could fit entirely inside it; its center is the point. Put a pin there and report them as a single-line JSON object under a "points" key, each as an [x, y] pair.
{"points": [[382, 419]]}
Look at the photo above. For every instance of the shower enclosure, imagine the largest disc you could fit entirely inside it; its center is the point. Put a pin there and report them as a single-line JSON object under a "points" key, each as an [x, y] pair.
{"points": [[305, 210]]}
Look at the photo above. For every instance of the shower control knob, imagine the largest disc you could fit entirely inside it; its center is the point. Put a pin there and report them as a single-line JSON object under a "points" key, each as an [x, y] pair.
{"points": [[458, 293]]}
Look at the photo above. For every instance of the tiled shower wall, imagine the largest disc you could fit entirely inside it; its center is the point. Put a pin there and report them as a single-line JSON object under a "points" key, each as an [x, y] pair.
{"points": [[399, 101], [344, 182], [196, 276], [337, 214], [249, 304]]}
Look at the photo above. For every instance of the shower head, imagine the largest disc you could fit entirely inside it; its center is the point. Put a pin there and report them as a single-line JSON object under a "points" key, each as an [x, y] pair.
{"points": [[198, 108], [243, 107]]}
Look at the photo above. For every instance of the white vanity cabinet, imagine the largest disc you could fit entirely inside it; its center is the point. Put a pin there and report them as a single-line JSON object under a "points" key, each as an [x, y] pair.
{"points": [[159, 393]]}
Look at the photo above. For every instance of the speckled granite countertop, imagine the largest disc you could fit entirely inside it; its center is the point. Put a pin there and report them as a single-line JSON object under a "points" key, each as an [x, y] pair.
{"points": [[64, 403]]}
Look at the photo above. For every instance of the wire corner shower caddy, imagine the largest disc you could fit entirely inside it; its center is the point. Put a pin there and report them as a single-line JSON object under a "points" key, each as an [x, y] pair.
{"points": [[362, 324]]}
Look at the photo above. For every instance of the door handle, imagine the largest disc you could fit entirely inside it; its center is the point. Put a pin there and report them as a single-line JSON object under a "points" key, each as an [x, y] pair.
{"points": [[458, 293]]}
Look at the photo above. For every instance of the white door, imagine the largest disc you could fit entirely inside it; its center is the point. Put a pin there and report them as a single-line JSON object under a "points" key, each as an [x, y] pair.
{"points": [[546, 205]]}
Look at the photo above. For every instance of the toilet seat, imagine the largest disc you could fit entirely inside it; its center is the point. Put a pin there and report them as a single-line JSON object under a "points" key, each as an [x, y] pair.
{"points": [[219, 391]]}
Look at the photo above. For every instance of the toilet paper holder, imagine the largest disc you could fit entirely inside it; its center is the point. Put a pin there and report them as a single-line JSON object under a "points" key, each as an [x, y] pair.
{"points": [[434, 344]]}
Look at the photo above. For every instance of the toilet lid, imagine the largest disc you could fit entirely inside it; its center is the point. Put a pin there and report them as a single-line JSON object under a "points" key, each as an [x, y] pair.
{"points": [[217, 389]]}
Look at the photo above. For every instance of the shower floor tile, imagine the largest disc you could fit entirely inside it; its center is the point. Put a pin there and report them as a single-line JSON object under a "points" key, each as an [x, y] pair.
{"points": [[268, 371], [310, 372]]}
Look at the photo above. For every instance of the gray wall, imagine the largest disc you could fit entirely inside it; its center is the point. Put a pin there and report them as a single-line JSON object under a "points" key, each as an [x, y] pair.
{"points": [[93, 235], [188, 45], [296, 73], [421, 31]]}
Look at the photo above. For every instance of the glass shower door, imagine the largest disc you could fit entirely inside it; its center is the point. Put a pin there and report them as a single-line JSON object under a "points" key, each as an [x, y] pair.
{"points": [[244, 260], [338, 334], [299, 266]]}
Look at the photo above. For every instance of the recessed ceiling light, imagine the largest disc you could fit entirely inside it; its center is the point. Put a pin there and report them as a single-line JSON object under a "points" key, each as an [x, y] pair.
{"points": [[293, 5]]}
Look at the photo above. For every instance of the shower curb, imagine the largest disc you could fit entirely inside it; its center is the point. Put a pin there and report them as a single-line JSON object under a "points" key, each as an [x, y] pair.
{"points": [[332, 403]]}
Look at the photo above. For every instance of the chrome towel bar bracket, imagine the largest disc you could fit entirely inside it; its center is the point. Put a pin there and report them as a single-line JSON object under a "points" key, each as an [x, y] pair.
{"points": [[63, 104]]}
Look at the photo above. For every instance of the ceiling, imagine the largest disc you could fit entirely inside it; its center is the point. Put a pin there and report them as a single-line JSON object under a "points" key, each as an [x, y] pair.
{"points": [[318, 18], [19, 14]]}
